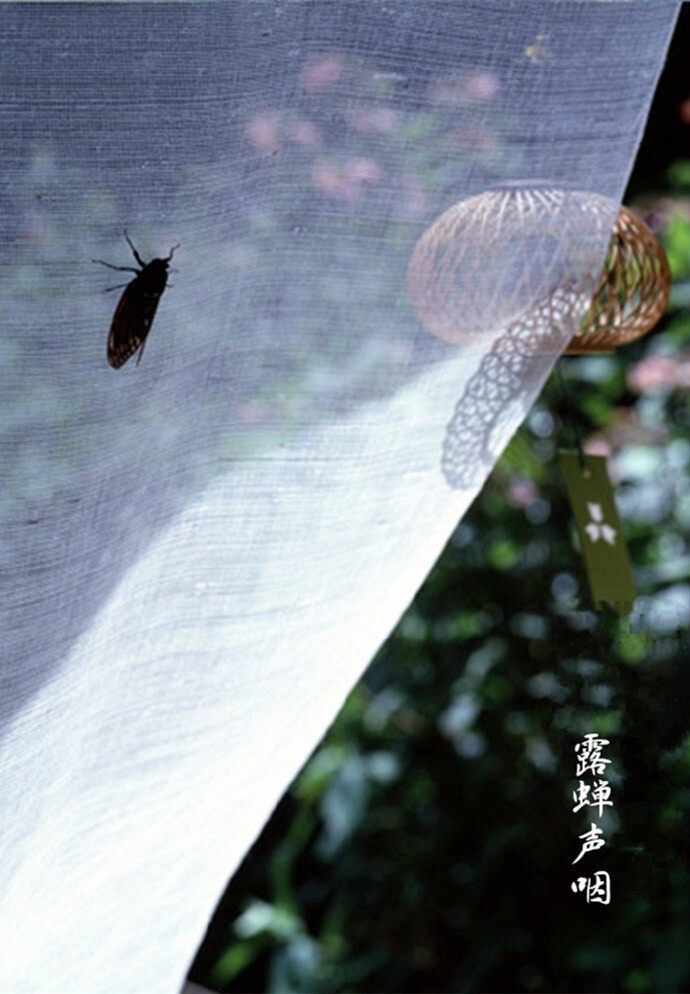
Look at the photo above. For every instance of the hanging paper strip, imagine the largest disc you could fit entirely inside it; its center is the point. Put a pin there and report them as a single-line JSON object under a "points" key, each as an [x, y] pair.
{"points": [[600, 530]]}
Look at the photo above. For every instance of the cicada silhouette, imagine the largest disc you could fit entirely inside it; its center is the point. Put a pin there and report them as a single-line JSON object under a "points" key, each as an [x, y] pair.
{"points": [[136, 308]]}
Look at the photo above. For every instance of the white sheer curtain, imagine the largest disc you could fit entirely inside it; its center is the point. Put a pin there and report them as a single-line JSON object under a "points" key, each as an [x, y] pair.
{"points": [[202, 552]]}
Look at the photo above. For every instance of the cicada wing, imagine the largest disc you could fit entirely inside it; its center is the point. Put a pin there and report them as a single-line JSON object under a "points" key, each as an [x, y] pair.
{"points": [[131, 322]]}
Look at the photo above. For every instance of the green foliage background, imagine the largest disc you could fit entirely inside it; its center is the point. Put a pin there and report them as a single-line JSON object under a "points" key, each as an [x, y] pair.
{"points": [[427, 845]]}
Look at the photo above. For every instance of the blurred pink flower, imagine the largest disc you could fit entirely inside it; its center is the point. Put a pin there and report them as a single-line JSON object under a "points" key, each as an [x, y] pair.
{"points": [[624, 429], [381, 120], [267, 129], [597, 445], [322, 72], [658, 373], [304, 132], [522, 493], [330, 180], [263, 130], [345, 183], [363, 171], [482, 86], [464, 88]]}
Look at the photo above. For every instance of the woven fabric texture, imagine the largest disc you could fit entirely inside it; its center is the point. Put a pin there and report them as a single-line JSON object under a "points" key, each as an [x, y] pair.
{"points": [[201, 552]]}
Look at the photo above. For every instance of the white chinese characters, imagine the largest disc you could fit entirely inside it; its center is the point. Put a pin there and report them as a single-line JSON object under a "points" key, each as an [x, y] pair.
{"points": [[590, 761], [596, 795], [592, 841], [589, 756], [597, 888]]}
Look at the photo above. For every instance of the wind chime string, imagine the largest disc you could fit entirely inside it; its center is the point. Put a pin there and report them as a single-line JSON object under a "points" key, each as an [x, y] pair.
{"points": [[570, 419]]}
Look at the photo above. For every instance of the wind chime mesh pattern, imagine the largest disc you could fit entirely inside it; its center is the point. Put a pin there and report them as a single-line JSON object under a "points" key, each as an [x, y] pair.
{"points": [[632, 291], [202, 553]]}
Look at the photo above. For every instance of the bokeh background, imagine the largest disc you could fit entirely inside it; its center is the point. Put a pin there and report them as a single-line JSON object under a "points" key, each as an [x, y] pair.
{"points": [[427, 845]]}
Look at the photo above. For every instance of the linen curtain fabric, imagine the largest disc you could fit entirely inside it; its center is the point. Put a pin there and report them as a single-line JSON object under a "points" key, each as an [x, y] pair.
{"points": [[202, 552]]}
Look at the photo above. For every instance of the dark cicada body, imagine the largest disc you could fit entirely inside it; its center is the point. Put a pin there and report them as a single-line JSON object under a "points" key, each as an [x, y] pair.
{"points": [[136, 308]]}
